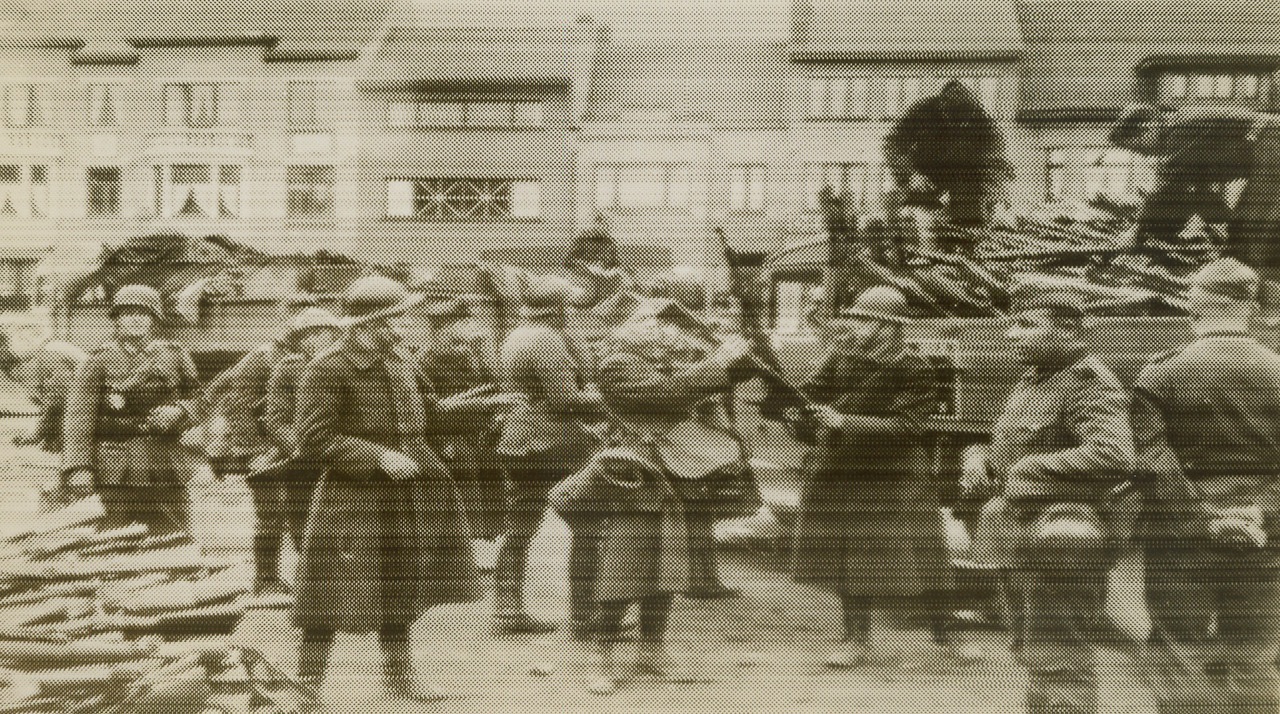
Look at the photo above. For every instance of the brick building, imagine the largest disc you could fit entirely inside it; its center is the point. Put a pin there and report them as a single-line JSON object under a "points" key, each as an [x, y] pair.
{"points": [[407, 132]]}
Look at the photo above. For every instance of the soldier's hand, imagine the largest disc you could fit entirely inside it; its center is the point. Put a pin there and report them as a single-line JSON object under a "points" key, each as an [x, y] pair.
{"points": [[166, 418], [826, 416], [79, 483], [397, 466], [973, 469]]}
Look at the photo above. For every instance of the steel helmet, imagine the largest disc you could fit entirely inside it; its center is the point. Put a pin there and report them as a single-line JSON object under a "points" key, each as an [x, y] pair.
{"points": [[883, 303], [138, 296], [313, 318], [376, 297]]}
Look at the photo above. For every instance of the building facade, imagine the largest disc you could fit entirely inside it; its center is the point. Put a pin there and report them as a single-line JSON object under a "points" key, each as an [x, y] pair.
{"points": [[381, 129]]}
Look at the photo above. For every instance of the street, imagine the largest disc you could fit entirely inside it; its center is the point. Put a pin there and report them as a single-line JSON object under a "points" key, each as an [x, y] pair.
{"points": [[761, 652]]}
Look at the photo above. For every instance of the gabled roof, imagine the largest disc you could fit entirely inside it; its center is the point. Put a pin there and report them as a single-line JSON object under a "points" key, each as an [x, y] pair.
{"points": [[905, 30], [470, 56], [742, 84], [1084, 58], [286, 29]]}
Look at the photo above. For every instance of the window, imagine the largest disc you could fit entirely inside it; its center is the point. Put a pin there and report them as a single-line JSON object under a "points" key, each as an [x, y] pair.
{"points": [[746, 188], [24, 191], [201, 105], [102, 191], [198, 191], [1173, 86], [24, 105], [862, 182], [1055, 168], [463, 199], [102, 105], [302, 104], [310, 191], [1107, 170], [441, 113], [642, 186], [1247, 85], [838, 98], [889, 100]]}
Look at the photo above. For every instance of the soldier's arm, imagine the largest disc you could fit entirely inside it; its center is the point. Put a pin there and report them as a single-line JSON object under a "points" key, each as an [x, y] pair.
{"points": [[907, 413], [1099, 417], [80, 417], [319, 411], [278, 409], [558, 376], [633, 384]]}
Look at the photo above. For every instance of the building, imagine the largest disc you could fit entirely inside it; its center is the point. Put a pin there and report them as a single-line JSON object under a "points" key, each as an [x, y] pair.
{"points": [[432, 134]]}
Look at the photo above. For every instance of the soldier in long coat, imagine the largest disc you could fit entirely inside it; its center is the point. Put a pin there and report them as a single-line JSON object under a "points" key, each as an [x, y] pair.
{"points": [[652, 377], [311, 332], [386, 538], [869, 525], [44, 371], [126, 407]]}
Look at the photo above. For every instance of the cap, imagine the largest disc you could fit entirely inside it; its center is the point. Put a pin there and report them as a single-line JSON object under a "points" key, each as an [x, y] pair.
{"points": [[1029, 296], [1227, 278], [882, 303], [376, 297]]}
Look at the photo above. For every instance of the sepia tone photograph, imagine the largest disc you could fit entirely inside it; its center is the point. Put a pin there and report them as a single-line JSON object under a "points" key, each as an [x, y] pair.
{"points": [[670, 356]]}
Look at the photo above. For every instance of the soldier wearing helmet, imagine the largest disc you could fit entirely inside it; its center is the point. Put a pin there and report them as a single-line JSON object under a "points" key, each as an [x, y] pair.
{"points": [[126, 406], [237, 395], [1063, 443], [1211, 527], [386, 536], [868, 526]]}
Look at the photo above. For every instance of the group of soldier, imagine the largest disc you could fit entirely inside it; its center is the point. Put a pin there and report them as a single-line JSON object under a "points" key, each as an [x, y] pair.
{"points": [[385, 464]]}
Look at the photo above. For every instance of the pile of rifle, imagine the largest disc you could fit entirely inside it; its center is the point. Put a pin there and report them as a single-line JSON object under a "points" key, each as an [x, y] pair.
{"points": [[85, 612], [961, 271]]}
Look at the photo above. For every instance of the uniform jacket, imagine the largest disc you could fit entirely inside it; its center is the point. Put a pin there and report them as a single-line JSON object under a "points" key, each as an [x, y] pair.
{"points": [[868, 521], [375, 550], [238, 394], [535, 361], [110, 396], [1219, 398], [279, 411], [1063, 436], [46, 377]]}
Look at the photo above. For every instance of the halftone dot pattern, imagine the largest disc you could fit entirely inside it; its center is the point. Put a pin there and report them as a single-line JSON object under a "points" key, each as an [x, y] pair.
{"points": [[415, 136]]}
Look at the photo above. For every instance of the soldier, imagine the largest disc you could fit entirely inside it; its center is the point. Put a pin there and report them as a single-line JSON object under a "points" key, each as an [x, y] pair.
{"points": [[1201, 150], [1062, 444], [869, 525], [238, 394], [313, 331], [455, 363], [1212, 529], [44, 371], [653, 376], [386, 537], [685, 287], [542, 441], [127, 404]]}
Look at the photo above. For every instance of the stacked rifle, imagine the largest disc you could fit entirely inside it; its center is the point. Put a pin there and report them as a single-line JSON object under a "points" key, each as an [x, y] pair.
{"points": [[949, 270], [85, 612]]}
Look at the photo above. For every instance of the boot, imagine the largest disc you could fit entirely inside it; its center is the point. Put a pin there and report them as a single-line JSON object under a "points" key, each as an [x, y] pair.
{"points": [[653, 658], [604, 677], [399, 679]]}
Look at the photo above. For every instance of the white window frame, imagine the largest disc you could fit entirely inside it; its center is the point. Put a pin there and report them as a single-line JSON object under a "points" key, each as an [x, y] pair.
{"points": [[183, 98], [747, 188], [218, 189], [89, 183], [22, 199], [464, 199], [31, 100], [465, 114], [320, 191], [100, 104], [1107, 169], [863, 178], [1055, 174], [669, 182]]}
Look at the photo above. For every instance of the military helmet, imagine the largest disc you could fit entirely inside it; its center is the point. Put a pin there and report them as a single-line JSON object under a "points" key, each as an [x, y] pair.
{"points": [[142, 297], [1227, 278], [375, 297], [313, 318], [882, 303]]}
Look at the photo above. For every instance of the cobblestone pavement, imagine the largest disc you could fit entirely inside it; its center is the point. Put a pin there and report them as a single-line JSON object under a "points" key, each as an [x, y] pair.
{"points": [[762, 652]]}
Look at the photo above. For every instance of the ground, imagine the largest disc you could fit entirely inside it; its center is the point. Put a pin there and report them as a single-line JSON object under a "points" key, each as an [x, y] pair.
{"points": [[763, 652]]}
